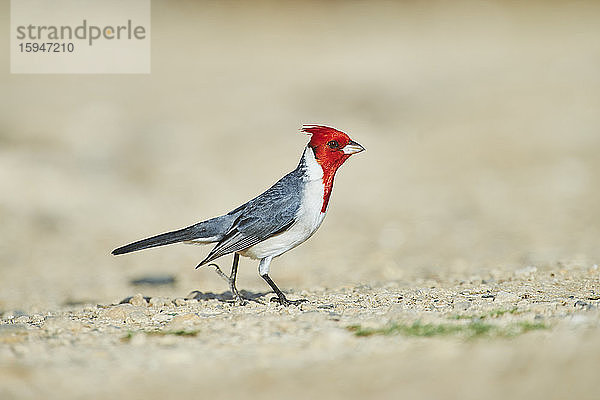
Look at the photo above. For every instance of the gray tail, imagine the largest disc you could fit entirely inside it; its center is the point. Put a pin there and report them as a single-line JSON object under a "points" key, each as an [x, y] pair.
{"points": [[208, 231], [158, 240]]}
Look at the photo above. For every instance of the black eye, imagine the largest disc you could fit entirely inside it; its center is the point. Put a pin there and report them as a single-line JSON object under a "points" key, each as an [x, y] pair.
{"points": [[333, 144]]}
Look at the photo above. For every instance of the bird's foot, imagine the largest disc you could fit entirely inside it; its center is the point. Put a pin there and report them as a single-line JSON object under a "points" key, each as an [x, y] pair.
{"points": [[285, 302], [237, 297]]}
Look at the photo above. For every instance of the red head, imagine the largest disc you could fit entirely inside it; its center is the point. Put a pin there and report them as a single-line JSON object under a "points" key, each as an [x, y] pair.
{"points": [[331, 148]]}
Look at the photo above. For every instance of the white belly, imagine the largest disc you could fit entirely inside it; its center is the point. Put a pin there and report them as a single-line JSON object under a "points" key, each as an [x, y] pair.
{"points": [[308, 220]]}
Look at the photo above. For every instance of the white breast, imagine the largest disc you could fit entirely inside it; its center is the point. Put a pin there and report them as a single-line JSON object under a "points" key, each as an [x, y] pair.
{"points": [[308, 218]]}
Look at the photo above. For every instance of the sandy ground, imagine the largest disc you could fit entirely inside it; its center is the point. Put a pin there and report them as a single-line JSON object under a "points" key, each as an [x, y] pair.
{"points": [[458, 259]]}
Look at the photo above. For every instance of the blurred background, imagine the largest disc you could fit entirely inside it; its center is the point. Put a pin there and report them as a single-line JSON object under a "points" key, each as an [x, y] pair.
{"points": [[480, 121]]}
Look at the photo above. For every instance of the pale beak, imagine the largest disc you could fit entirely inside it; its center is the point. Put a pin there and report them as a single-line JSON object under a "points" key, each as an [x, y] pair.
{"points": [[352, 147]]}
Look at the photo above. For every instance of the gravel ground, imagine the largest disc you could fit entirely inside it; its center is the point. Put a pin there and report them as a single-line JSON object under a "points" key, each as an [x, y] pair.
{"points": [[531, 334], [459, 256]]}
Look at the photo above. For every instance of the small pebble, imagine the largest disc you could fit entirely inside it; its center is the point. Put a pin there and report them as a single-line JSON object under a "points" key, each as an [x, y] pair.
{"points": [[123, 312], [180, 302], [138, 300], [183, 322], [159, 302]]}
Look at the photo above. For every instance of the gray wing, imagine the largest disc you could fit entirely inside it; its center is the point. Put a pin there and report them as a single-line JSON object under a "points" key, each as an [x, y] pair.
{"points": [[262, 217]]}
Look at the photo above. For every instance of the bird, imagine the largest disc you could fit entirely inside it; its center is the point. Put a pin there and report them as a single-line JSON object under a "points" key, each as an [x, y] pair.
{"points": [[274, 222]]}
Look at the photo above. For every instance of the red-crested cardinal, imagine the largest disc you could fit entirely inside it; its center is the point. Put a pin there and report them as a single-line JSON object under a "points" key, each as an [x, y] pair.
{"points": [[276, 221]]}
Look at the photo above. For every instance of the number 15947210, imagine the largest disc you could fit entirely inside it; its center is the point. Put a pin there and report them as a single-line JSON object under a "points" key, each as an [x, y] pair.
{"points": [[47, 47]]}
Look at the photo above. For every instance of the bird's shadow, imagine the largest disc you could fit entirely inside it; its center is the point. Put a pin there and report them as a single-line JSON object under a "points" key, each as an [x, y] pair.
{"points": [[226, 297]]}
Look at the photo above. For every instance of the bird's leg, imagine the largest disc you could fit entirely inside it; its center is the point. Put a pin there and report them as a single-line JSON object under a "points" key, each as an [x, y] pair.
{"points": [[237, 297], [219, 272], [281, 299], [263, 271]]}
